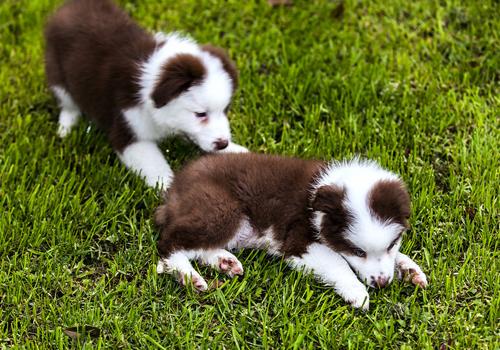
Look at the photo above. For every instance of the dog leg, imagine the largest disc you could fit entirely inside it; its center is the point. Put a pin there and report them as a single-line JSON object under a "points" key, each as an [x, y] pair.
{"points": [[178, 265], [222, 260], [233, 148], [69, 115], [410, 271], [333, 270], [146, 159]]}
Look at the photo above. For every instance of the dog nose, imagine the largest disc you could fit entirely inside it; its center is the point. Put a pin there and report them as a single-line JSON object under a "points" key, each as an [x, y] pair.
{"points": [[220, 144], [382, 281]]}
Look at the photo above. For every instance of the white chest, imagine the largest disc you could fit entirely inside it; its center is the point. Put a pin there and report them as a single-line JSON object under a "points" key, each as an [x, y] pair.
{"points": [[142, 124], [247, 237]]}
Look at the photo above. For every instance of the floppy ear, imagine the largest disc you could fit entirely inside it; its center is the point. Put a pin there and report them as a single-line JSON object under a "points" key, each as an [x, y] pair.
{"points": [[328, 199], [390, 201], [176, 76], [227, 64]]}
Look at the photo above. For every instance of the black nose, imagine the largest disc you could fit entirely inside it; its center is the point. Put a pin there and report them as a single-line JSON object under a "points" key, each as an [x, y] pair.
{"points": [[220, 144]]}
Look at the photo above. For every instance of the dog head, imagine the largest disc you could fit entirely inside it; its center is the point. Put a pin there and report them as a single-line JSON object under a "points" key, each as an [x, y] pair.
{"points": [[192, 93], [361, 212]]}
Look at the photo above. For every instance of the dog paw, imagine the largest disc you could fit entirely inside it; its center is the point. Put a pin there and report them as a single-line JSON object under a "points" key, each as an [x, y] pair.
{"points": [[195, 279], [412, 273], [63, 131], [160, 181], [357, 296], [164, 182], [416, 277], [419, 279], [234, 148], [160, 267], [230, 265]]}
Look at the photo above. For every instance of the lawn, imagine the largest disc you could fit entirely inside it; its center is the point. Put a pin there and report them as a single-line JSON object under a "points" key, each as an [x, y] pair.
{"points": [[412, 84]]}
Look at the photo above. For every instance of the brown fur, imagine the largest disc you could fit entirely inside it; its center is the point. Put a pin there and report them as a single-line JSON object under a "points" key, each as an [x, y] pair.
{"points": [[330, 200], [179, 74], [390, 201], [94, 51], [209, 198]]}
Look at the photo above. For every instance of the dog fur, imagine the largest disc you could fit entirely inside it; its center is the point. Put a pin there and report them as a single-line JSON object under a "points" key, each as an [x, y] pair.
{"points": [[342, 221], [138, 88]]}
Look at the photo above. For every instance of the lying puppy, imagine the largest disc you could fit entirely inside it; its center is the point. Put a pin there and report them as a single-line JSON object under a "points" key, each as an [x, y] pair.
{"points": [[337, 220], [137, 87]]}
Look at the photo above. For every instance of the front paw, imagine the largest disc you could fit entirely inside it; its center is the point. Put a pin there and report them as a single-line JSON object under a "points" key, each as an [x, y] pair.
{"points": [[357, 296], [194, 279], [230, 265], [161, 182], [412, 273], [417, 277], [234, 148]]}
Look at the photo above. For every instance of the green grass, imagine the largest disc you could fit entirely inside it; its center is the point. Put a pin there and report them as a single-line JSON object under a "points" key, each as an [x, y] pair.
{"points": [[412, 84]]}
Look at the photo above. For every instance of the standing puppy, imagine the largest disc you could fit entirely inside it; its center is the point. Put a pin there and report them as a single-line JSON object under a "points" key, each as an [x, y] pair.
{"points": [[342, 221], [136, 87]]}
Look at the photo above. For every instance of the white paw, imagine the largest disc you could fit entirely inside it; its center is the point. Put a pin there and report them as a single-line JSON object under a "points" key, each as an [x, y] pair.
{"points": [[184, 277], [160, 267], [419, 279], [230, 265], [412, 273], [194, 278], [163, 182], [222, 260], [357, 296], [234, 148], [63, 131]]}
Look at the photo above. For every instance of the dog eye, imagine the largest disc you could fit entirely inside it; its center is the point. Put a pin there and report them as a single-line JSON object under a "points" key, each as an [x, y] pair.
{"points": [[360, 252], [201, 114]]}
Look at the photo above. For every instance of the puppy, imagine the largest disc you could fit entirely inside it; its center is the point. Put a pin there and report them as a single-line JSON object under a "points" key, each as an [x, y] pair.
{"points": [[342, 221], [137, 87]]}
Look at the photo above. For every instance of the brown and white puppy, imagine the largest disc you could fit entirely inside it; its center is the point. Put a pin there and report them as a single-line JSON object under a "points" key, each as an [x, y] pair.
{"points": [[137, 87], [337, 220]]}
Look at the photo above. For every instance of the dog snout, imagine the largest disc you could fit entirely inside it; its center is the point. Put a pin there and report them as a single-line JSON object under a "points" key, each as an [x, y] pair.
{"points": [[220, 144]]}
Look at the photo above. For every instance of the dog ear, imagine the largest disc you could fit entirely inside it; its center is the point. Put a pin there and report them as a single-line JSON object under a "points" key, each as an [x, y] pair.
{"points": [[177, 75], [227, 64], [328, 199], [390, 201]]}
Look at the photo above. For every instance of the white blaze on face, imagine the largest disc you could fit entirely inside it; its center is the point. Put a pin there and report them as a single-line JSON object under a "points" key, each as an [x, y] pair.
{"points": [[200, 111], [376, 240], [209, 97]]}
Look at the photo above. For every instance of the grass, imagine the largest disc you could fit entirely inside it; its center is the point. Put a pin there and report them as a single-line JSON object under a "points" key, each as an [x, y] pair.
{"points": [[413, 84]]}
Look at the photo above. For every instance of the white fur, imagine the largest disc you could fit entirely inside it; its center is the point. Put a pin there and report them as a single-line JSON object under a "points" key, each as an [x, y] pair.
{"points": [[333, 270], [146, 159], [222, 260], [317, 219], [234, 148], [178, 264], [178, 116], [247, 237], [70, 113], [366, 232], [150, 124], [409, 270]]}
